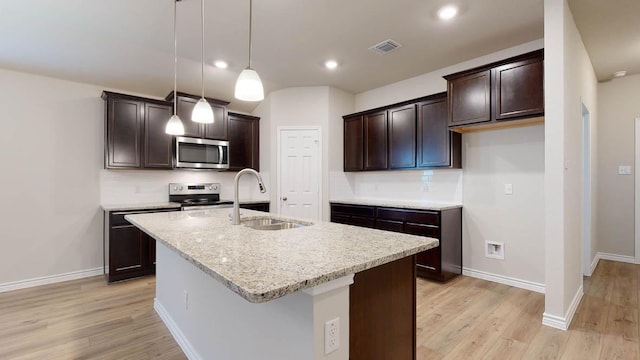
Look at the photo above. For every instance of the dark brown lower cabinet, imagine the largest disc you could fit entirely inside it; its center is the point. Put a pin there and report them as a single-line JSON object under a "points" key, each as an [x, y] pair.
{"points": [[382, 312], [262, 206], [128, 252], [440, 263]]}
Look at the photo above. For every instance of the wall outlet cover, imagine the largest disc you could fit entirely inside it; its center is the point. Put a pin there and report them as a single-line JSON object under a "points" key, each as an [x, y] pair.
{"points": [[624, 170], [331, 335], [494, 250]]}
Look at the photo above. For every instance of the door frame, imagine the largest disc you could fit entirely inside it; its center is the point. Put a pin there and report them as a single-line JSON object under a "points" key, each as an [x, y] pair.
{"points": [[318, 129], [636, 223], [586, 191]]}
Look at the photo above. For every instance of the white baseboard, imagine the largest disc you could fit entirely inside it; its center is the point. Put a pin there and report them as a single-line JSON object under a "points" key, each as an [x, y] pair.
{"points": [[594, 264], [563, 323], [614, 257], [523, 284], [51, 279], [180, 338]]}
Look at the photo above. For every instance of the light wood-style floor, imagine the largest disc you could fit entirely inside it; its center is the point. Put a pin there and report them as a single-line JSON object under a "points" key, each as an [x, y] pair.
{"points": [[464, 319]]}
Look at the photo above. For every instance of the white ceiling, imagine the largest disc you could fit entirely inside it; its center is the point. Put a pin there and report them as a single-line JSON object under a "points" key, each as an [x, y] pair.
{"points": [[610, 31], [128, 44]]}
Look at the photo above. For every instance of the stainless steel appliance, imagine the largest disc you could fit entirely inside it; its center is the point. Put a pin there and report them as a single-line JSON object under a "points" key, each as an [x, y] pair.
{"points": [[195, 153], [197, 196]]}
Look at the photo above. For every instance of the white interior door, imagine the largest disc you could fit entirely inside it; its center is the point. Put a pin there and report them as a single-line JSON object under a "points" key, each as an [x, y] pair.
{"points": [[299, 172]]}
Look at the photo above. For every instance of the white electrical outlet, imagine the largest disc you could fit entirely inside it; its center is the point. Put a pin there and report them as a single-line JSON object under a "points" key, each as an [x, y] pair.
{"points": [[508, 189], [186, 300], [331, 335], [494, 250], [624, 170]]}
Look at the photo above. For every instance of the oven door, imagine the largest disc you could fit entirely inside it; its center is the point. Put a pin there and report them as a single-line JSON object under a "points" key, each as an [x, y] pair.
{"points": [[195, 153]]}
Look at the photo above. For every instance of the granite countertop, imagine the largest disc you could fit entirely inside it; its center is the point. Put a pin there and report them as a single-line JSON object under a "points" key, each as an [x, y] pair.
{"points": [[145, 206], [264, 265], [403, 204]]}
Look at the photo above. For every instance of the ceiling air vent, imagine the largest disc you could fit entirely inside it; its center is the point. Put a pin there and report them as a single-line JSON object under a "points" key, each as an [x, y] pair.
{"points": [[385, 47]]}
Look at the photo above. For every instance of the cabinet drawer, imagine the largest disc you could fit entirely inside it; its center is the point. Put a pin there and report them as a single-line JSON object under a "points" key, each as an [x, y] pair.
{"points": [[415, 216], [340, 219], [422, 230], [390, 225], [363, 221], [429, 260], [365, 211]]}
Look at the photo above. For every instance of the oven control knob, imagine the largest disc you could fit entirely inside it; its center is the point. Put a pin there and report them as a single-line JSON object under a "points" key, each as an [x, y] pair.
{"points": [[181, 188], [210, 187], [175, 188]]}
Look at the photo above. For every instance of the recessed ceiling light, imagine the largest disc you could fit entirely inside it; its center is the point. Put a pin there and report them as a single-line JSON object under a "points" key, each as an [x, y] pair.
{"points": [[447, 12], [620, 73], [221, 64], [331, 64]]}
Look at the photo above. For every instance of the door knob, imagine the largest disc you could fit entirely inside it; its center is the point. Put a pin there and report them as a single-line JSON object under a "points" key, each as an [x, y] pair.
{"points": [[284, 198]]}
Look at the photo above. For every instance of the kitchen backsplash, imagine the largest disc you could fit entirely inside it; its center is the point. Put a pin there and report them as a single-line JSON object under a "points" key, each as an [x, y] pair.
{"points": [[139, 187], [409, 185]]}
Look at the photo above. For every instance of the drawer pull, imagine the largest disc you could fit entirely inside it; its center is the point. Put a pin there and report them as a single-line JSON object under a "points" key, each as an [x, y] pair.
{"points": [[427, 267], [122, 226], [129, 267]]}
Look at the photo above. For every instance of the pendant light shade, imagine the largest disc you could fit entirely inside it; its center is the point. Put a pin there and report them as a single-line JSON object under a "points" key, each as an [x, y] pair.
{"points": [[202, 112], [249, 86], [174, 125]]}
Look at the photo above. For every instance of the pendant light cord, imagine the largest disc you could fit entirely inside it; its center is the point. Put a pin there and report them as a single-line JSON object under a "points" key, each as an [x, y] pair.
{"points": [[202, 50], [175, 57], [250, 21]]}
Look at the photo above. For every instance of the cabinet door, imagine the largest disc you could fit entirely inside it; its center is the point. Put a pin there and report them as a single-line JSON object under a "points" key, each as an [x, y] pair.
{"points": [[402, 137], [518, 89], [151, 253], [375, 141], [185, 108], [353, 143], [469, 98], [256, 206], [124, 129], [217, 130], [127, 253], [244, 142], [157, 144], [434, 137]]}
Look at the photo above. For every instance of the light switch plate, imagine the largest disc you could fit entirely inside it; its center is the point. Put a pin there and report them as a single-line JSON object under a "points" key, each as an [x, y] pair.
{"points": [[508, 189], [624, 170]]}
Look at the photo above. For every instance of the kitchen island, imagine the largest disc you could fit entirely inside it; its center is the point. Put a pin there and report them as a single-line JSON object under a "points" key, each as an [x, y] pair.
{"points": [[291, 282]]}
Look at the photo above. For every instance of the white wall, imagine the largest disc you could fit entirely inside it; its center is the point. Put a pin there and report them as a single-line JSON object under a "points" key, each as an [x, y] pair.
{"points": [[320, 106], [618, 106], [51, 155], [569, 82], [490, 159]]}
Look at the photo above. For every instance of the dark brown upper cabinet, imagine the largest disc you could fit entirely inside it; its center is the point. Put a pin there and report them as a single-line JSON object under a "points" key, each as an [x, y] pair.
{"points": [[402, 137], [244, 142], [484, 97], [437, 146], [375, 140], [353, 131], [408, 135], [134, 132], [216, 131]]}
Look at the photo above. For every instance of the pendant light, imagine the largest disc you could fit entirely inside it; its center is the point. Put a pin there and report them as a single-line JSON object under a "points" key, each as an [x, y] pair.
{"points": [[174, 125], [249, 86], [202, 112]]}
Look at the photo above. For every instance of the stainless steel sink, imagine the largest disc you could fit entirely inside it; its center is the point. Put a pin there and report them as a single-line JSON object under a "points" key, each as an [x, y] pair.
{"points": [[267, 223]]}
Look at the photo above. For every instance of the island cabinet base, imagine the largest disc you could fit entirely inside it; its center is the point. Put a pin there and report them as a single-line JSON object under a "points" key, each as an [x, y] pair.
{"points": [[382, 312], [211, 322]]}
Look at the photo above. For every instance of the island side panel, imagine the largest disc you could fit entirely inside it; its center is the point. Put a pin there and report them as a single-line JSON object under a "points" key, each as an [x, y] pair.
{"points": [[382, 312], [212, 322]]}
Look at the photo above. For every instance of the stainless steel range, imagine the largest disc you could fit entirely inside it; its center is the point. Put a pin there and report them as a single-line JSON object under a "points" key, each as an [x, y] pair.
{"points": [[197, 196]]}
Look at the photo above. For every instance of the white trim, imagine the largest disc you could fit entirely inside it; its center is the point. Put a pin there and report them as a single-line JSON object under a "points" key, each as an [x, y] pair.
{"points": [[586, 189], [615, 257], [50, 279], [523, 284], [637, 193], [330, 286], [320, 164], [563, 323], [175, 331], [594, 264]]}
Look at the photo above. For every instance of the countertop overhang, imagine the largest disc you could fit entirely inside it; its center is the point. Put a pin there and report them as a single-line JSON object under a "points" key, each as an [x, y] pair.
{"points": [[264, 265]]}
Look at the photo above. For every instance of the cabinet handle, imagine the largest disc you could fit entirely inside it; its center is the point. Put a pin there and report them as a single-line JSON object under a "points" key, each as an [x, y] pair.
{"points": [[284, 198], [122, 226], [129, 267], [427, 267]]}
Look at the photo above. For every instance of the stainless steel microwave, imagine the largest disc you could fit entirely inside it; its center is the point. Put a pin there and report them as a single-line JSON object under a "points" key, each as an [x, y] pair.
{"points": [[196, 153]]}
